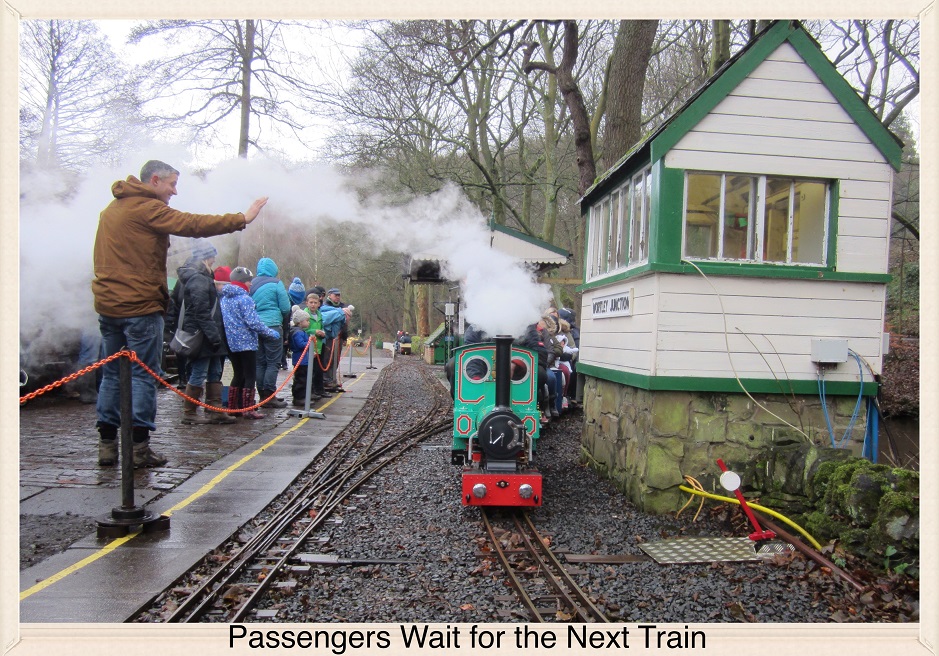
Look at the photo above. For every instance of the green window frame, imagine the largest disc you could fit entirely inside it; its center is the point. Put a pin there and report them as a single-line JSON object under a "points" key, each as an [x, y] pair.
{"points": [[762, 219]]}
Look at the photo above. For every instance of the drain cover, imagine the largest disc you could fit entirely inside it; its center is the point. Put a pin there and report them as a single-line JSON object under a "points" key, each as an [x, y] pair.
{"points": [[709, 550]]}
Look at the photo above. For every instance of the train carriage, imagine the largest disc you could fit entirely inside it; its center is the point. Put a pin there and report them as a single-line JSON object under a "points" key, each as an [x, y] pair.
{"points": [[496, 423]]}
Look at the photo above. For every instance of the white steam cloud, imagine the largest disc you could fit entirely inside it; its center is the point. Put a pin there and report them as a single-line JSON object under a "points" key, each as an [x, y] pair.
{"points": [[57, 236]]}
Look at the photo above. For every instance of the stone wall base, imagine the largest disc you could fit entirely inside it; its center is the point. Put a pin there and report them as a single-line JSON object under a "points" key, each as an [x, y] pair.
{"points": [[647, 441]]}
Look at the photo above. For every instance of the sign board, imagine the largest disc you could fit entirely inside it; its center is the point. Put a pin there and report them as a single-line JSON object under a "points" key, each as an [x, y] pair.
{"points": [[613, 305]]}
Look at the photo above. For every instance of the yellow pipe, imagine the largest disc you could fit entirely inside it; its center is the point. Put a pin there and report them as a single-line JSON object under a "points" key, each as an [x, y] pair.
{"points": [[768, 511]]}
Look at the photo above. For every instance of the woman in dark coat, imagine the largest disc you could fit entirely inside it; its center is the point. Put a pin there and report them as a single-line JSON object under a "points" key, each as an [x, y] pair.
{"points": [[198, 301]]}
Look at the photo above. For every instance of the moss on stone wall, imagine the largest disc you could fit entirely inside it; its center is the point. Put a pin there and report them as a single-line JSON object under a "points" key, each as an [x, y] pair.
{"points": [[645, 442]]}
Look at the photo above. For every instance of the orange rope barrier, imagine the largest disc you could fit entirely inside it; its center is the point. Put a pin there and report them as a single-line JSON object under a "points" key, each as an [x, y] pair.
{"points": [[133, 358]]}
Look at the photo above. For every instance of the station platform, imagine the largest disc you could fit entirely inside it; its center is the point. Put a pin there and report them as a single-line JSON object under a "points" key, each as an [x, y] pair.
{"points": [[218, 477]]}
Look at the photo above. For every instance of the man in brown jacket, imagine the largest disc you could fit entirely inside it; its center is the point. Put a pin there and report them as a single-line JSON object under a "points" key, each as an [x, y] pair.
{"points": [[131, 293]]}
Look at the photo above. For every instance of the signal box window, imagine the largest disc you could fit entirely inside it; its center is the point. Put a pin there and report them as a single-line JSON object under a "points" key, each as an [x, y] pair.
{"points": [[725, 219]]}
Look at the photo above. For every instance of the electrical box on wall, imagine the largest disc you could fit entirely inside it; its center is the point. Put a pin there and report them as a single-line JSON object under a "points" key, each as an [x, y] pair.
{"points": [[829, 351]]}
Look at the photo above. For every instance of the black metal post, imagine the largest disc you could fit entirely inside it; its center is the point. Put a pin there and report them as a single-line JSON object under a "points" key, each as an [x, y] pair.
{"points": [[503, 370], [370, 365], [127, 443], [306, 412], [120, 520]]}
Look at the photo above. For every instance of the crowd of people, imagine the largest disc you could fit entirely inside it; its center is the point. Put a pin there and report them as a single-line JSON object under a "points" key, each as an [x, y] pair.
{"points": [[249, 319]]}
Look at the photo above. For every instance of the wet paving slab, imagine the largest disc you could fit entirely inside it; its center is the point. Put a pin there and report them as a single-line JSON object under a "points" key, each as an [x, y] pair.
{"points": [[217, 478]]}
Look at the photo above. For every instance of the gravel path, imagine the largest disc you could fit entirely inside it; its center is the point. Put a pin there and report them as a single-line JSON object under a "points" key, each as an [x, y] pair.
{"points": [[413, 512]]}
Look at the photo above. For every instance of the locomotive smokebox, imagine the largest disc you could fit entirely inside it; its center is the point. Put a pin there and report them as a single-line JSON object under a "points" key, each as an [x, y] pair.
{"points": [[503, 370]]}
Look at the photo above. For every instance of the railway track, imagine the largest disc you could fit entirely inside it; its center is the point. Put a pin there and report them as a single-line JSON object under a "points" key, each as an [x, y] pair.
{"points": [[543, 585], [230, 590]]}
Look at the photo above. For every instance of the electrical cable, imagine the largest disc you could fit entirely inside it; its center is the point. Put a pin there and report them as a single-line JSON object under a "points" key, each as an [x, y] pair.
{"points": [[755, 506], [731, 360]]}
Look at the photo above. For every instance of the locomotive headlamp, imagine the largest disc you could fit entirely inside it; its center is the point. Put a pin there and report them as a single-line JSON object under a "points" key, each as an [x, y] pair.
{"points": [[525, 491], [479, 490]]}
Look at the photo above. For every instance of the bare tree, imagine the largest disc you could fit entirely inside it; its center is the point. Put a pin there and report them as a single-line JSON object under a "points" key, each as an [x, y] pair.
{"points": [[221, 70], [879, 58], [77, 102]]}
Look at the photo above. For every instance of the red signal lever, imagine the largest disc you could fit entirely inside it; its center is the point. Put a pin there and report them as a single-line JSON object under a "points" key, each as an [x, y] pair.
{"points": [[732, 482]]}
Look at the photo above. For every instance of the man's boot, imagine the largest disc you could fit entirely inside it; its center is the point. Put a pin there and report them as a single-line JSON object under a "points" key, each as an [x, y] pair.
{"points": [[247, 400], [144, 456], [190, 408], [234, 400], [213, 397], [274, 402], [107, 445]]}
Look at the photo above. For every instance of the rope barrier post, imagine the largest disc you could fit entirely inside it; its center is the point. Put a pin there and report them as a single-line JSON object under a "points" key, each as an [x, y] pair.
{"points": [[121, 520], [311, 362], [370, 365], [351, 355]]}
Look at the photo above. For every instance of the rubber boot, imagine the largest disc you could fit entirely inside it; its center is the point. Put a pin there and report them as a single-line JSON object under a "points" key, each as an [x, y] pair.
{"points": [[190, 409], [247, 400], [144, 456], [234, 400], [107, 445], [213, 397]]}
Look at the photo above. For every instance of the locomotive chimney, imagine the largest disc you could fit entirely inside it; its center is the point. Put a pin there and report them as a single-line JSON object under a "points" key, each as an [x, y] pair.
{"points": [[503, 370]]}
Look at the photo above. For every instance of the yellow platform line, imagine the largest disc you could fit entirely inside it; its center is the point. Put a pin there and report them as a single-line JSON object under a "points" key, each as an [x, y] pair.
{"points": [[114, 544]]}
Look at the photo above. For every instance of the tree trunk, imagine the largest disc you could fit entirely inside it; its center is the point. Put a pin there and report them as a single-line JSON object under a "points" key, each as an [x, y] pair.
{"points": [[246, 64], [628, 65], [580, 119], [422, 303], [720, 46]]}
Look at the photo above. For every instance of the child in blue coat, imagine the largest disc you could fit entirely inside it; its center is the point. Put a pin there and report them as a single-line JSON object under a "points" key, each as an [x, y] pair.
{"points": [[242, 327]]}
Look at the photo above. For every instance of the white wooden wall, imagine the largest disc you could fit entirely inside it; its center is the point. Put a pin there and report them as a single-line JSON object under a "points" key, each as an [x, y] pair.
{"points": [[783, 120], [682, 326], [780, 120]]}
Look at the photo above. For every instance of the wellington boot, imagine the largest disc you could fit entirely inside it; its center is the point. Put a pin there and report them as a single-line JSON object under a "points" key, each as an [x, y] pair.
{"points": [[247, 400], [234, 400], [190, 408], [213, 397]]}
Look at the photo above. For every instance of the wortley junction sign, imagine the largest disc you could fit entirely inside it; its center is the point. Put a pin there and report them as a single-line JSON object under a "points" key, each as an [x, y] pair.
{"points": [[613, 305]]}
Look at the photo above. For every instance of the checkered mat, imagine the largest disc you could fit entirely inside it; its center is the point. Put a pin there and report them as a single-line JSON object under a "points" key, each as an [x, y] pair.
{"points": [[709, 550]]}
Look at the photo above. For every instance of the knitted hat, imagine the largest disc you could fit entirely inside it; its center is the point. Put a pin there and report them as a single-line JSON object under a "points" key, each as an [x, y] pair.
{"points": [[298, 316], [202, 249], [241, 274], [223, 274], [296, 291]]}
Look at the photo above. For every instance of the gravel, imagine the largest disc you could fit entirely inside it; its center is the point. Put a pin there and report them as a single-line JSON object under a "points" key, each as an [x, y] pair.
{"points": [[412, 511]]}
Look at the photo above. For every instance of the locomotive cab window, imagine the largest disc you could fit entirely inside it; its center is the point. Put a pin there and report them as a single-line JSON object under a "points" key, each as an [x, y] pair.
{"points": [[476, 369], [756, 218], [519, 370]]}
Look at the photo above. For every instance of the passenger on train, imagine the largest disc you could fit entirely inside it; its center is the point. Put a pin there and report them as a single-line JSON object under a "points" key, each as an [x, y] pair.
{"points": [[570, 317], [534, 339], [472, 335], [131, 294]]}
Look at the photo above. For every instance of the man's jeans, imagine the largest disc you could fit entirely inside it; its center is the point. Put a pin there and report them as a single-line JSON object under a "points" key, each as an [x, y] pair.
{"points": [[206, 369], [270, 350], [143, 335]]}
